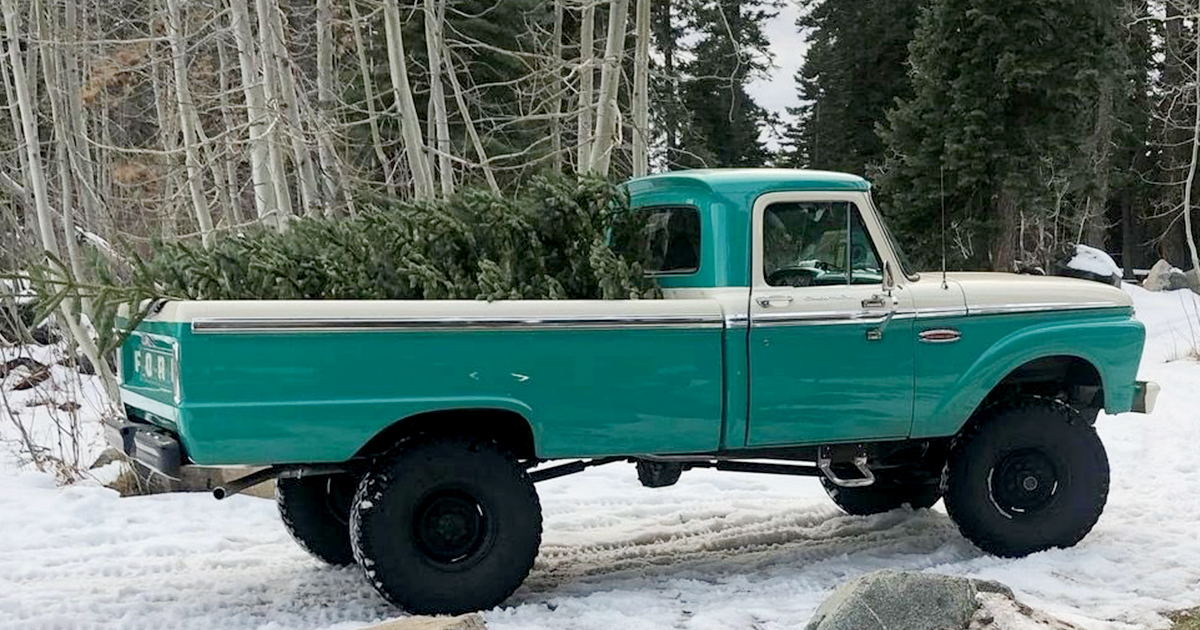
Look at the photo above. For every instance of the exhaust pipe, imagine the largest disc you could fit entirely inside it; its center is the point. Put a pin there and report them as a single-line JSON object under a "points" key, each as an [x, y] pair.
{"points": [[241, 484]]}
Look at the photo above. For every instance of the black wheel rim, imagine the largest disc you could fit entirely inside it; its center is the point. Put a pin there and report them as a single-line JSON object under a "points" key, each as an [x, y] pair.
{"points": [[1023, 482], [449, 526]]}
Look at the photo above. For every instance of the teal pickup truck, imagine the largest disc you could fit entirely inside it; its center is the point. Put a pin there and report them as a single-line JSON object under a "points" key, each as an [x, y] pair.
{"points": [[795, 339]]}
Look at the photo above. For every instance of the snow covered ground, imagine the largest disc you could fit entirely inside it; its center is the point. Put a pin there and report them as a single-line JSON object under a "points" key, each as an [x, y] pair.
{"points": [[718, 550]]}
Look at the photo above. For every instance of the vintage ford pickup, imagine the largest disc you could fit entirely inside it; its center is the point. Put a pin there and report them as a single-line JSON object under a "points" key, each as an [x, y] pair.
{"points": [[795, 339]]}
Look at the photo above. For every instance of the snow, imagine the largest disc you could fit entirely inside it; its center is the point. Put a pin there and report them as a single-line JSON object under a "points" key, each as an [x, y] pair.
{"points": [[1094, 261], [717, 550]]}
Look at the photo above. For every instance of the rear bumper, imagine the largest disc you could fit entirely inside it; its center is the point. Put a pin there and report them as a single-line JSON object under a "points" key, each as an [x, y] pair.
{"points": [[146, 444], [1145, 396]]}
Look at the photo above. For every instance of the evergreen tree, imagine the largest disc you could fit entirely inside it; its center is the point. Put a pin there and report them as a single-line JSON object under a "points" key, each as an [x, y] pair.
{"points": [[724, 121], [855, 70], [1004, 98]]}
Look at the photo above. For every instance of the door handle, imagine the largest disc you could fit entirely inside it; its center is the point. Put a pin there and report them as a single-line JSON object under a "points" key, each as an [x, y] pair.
{"points": [[773, 301], [880, 301]]}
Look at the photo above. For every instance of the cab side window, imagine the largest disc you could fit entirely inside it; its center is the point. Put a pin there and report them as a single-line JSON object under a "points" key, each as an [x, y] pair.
{"points": [[817, 244]]}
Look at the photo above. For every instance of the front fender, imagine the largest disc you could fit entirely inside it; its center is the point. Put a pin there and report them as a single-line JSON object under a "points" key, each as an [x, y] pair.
{"points": [[1113, 345]]}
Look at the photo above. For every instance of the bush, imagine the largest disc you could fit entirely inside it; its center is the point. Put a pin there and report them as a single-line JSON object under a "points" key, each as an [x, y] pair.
{"points": [[550, 242]]}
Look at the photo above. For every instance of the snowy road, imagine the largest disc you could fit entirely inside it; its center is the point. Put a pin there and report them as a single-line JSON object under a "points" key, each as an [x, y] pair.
{"points": [[718, 550]]}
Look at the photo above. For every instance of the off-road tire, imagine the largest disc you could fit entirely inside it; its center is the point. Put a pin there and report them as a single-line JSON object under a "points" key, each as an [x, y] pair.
{"points": [[316, 512], [889, 492], [446, 526], [1026, 477]]}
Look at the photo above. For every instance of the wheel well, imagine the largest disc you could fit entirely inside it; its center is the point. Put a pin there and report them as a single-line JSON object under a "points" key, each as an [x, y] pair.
{"points": [[506, 428], [1072, 379]]}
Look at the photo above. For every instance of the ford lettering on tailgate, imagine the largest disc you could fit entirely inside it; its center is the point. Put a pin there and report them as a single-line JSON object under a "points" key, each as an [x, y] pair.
{"points": [[153, 362]]}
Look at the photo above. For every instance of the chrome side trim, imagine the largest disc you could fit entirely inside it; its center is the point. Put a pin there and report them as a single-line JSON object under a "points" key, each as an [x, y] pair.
{"points": [[817, 318], [953, 311], [466, 322], [1038, 307]]}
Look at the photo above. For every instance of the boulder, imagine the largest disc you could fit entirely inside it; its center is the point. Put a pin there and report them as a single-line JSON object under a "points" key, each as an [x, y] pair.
{"points": [[1193, 280], [462, 622], [1164, 277], [1087, 263], [903, 600]]}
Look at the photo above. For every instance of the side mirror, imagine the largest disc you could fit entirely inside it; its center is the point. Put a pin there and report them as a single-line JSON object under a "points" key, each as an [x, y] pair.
{"points": [[889, 278]]}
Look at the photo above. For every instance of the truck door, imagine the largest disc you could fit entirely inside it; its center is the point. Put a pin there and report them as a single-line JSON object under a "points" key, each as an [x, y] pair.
{"points": [[830, 359]]}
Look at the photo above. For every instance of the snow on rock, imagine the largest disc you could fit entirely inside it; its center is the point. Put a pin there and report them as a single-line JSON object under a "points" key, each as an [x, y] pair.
{"points": [[718, 550], [1094, 261]]}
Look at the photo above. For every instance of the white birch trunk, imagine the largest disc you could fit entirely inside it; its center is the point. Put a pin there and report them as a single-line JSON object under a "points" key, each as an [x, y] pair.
{"points": [[325, 103], [265, 202], [364, 69], [587, 53], [557, 87], [270, 87], [434, 18], [480, 152], [185, 106], [641, 91], [228, 161], [305, 172], [610, 77], [1191, 176], [410, 122]]}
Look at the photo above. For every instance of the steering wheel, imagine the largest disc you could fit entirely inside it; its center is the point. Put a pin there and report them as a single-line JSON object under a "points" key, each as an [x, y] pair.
{"points": [[793, 276]]}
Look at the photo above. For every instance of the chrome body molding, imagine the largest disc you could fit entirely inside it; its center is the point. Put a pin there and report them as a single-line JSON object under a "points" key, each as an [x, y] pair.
{"points": [[1037, 307], [817, 318], [466, 322]]}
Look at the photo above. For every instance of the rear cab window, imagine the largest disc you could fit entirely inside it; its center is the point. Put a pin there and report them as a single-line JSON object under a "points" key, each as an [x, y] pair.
{"points": [[664, 239]]}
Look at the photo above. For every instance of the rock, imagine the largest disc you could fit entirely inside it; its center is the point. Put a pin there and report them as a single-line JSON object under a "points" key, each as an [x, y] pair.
{"points": [[1086, 263], [1164, 277], [1193, 280], [895, 600], [462, 622], [106, 457], [902, 600]]}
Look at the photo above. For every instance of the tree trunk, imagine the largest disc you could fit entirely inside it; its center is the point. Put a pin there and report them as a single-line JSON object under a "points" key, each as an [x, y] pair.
{"points": [[434, 18], [410, 122], [641, 91], [1191, 176], [364, 69], [325, 104], [610, 77], [277, 63], [587, 53], [557, 87], [480, 152], [1004, 237], [266, 203], [184, 105], [228, 161], [271, 98]]}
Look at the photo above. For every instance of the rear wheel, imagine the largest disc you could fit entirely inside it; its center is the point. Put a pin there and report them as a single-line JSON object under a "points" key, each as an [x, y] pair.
{"points": [[446, 526], [1027, 477], [316, 512]]}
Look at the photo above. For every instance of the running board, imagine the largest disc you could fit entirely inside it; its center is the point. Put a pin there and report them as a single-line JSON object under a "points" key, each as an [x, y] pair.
{"points": [[825, 464]]}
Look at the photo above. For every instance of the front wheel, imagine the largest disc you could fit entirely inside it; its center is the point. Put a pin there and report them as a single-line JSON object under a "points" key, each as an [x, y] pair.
{"points": [[1026, 477], [446, 526]]}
